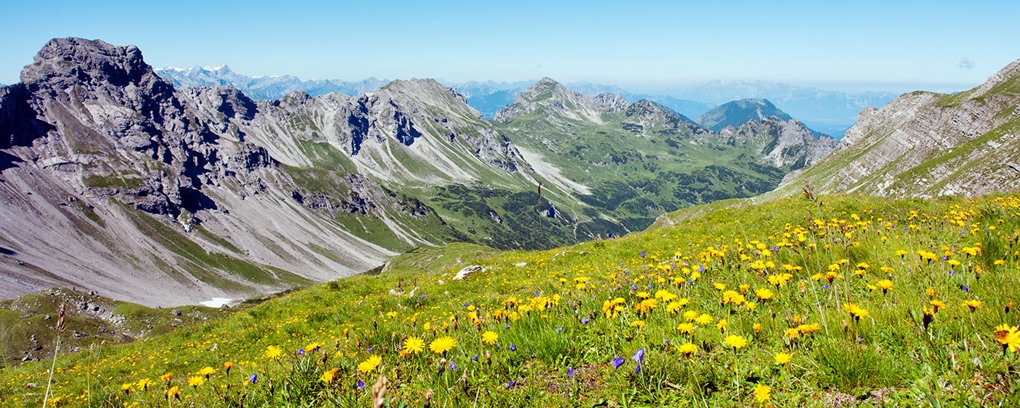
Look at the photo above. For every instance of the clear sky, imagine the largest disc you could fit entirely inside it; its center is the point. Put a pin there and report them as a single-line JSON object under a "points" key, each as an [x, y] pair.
{"points": [[894, 45]]}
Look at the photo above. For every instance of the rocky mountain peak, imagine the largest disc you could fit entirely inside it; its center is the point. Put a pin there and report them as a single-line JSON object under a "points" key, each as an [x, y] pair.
{"points": [[612, 102], [651, 113], [422, 89], [87, 62], [554, 98]]}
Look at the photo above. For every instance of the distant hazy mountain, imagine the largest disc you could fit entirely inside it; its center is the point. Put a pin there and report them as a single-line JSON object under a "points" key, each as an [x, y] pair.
{"points": [[263, 88], [736, 113], [830, 112]]}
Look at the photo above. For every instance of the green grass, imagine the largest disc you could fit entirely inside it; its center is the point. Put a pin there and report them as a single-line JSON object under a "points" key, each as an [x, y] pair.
{"points": [[547, 308], [33, 316], [635, 178], [97, 181]]}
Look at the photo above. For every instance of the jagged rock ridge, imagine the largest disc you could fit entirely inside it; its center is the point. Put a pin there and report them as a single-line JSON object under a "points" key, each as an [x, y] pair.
{"points": [[926, 144]]}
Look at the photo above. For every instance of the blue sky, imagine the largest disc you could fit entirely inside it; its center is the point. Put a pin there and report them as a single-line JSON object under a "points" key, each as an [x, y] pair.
{"points": [[887, 45]]}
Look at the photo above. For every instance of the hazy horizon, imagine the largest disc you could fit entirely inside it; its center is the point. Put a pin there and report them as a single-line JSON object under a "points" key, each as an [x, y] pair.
{"points": [[875, 46]]}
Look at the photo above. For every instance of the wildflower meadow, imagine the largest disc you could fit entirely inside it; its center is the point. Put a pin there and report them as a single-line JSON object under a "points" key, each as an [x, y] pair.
{"points": [[802, 301]]}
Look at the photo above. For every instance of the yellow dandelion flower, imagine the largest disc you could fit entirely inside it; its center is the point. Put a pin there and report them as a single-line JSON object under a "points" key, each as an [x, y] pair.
{"points": [[687, 349], [762, 393], [490, 337], [674, 307], [273, 352], [856, 311], [196, 381], [783, 358], [704, 320], [414, 345], [665, 295], [329, 375], [1008, 336], [972, 304], [764, 294], [442, 344], [174, 391], [735, 341], [685, 328], [370, 364], [206, 371]]}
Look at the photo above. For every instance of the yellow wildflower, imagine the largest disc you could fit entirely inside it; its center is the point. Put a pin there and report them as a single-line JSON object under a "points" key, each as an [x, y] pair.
{"points": [[442, 344], [370, 364], [490, 337], [737, 342], [762, 393], [687, 349], [414, 345]]}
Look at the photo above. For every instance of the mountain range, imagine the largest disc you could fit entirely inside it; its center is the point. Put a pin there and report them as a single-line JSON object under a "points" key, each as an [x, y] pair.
{"points": [[114, 180], [829, 112], [262, 87]]}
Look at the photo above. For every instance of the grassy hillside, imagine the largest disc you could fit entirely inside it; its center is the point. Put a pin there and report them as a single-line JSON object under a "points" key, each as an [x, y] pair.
{"points": [[638, 172], [844, 301]]}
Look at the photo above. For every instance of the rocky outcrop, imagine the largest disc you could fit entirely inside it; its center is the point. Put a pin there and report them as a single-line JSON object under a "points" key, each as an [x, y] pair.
{"points": [[926, 144], [781, 143]]}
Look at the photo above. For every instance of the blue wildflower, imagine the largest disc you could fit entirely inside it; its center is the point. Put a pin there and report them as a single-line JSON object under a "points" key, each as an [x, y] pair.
{"points": [[617, 362], [638, 357]]}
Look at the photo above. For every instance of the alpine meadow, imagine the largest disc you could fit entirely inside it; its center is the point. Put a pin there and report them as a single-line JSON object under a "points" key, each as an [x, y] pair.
{"points": [[198, 237]]}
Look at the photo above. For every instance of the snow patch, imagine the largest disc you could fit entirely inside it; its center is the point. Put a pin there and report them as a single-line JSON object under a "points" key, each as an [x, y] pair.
{"points": [[216, 302]]}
